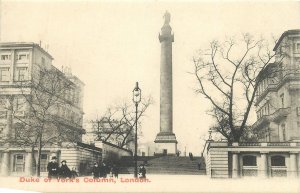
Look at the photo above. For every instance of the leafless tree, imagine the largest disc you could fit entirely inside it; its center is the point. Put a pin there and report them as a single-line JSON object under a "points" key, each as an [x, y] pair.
{"points": [[41, 125], [227, 75], [117, 124]]}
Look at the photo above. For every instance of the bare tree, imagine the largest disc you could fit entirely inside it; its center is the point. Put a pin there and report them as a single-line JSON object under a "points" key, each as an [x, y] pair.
{"points": [[117, 124], [227, 75], [41, 124]]}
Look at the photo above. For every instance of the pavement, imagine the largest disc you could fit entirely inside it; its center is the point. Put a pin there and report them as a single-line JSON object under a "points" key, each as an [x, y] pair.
{"points": [[154, 183]]}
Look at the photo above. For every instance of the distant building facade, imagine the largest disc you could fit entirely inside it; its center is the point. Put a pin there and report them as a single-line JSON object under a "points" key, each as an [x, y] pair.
{"points": [[277, 101], [22, 64], [277, 153]]}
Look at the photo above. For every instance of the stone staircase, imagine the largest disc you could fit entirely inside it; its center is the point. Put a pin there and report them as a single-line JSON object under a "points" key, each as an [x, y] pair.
{"points": [[165, 165]]}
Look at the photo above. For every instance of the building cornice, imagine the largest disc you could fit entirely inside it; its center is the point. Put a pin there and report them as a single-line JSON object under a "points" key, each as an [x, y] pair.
{"points": [[23, 45]]}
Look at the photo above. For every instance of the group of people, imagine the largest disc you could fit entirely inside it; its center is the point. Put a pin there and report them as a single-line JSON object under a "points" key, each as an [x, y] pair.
{"points": [[63, 171], [101, 171], [98, 170]]}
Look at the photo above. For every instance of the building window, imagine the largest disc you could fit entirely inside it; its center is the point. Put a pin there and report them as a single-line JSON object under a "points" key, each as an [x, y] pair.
{"points": [[5, 57], [23, 56], [266, 112], [44, 162], [249, 160], [297, 48], [4, 74], [282, 100], [278, 161], [298, 111], [19, 162], [2, 128], [21, 74]]}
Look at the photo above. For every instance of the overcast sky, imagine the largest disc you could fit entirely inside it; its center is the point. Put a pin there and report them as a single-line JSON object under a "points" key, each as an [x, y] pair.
{"points": [[110, 46]]}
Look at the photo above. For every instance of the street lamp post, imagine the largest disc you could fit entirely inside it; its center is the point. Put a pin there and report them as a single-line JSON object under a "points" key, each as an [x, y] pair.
{"points": [[136, 97]]}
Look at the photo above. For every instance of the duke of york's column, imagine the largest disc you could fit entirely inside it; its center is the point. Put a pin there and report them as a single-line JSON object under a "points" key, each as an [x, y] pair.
{"points": [[166, 142]]}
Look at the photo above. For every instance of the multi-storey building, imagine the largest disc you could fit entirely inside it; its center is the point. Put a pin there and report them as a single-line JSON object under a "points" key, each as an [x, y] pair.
{"points": [[277, 101], [23, 65], [277, 153]]}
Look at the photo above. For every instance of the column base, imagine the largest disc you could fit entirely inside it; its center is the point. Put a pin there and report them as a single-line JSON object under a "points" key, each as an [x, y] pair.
{"points": [[165, 144]]}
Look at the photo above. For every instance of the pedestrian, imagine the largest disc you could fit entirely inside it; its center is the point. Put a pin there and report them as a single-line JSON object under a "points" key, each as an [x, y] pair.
{"points": [[142, 171], [64, 171], [96, 170], [103, 170], [53, 168], [115, 171], [192, 157], [111, 174], [199, 166], [74, 173]]}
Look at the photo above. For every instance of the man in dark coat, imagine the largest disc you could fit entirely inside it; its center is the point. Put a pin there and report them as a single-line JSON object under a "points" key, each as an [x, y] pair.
{"points": [[142, 171], [115, 171], [64, 171], [96, 170], [105, 170], [53, 168]]}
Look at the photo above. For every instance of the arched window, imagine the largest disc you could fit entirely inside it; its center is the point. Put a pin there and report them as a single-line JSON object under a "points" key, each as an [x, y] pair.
{"points": [[249, 160], [278, 160]]}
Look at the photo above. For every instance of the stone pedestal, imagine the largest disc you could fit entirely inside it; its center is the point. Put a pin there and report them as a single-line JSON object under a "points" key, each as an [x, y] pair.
{"points": [[165, 143]]}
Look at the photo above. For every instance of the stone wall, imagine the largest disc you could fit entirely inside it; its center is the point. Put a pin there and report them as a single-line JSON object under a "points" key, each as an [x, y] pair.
{"points": [[112, 153], [252, 159]]}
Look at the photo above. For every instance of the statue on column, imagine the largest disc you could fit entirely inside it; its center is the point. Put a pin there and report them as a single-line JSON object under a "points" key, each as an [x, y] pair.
{"points": [[167, 17]]}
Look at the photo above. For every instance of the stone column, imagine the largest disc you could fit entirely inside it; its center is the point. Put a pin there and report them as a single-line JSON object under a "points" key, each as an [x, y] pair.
{"points": [[264, 165], [293, 172], [298, 164], [5, 164], [28, 163], [235, 165]]}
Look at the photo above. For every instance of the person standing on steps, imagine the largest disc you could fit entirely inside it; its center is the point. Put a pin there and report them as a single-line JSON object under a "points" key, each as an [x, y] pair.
{"points": [[199, 165]]}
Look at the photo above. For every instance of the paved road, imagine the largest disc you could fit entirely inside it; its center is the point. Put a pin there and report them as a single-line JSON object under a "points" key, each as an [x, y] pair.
{"points": [[154, 183]]}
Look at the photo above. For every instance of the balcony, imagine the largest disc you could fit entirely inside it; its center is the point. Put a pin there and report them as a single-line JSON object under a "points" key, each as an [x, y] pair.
{"points": [[277, 116], [280, 114]]}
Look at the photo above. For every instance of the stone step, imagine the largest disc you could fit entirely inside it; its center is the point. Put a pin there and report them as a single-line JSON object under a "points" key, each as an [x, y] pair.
{"points": [[165, 165]]}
